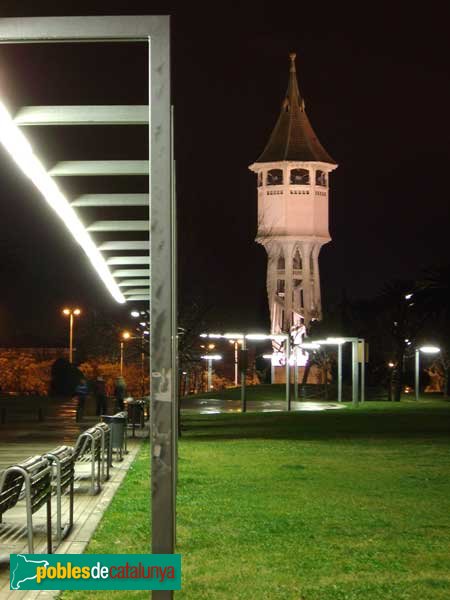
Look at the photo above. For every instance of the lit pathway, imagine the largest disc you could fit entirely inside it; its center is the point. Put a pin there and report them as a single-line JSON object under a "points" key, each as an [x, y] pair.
{"points": [[21, 440], [210, 406]]}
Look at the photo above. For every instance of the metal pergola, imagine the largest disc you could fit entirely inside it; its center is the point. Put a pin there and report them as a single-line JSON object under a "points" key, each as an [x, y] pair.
{"points": [[134, 258]]}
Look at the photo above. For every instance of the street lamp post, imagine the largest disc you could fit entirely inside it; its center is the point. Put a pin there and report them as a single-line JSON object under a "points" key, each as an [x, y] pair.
{"points": [[288, 371], [209, 358], [236, 360], [125, 336], [244, 376], [425, 350], [71, 313]]}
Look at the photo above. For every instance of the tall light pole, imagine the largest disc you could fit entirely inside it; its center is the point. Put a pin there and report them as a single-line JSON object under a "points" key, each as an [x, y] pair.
{"points": [[425, 350], [125, 336], [210, 358], [71, 313], [236, 360]]}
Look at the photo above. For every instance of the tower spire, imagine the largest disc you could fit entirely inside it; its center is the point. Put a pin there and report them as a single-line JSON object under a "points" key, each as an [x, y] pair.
{"points": [[293, 137]]}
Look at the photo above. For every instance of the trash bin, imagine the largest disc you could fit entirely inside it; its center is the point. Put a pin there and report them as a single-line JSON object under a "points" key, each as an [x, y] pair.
{"points": [[135, 409], [118, 425]]}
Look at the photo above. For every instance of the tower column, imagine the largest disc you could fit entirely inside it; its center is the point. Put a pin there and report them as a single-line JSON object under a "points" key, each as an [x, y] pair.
{"points": [[272, 258], [288, 284], [307, 288], [316, 279]]}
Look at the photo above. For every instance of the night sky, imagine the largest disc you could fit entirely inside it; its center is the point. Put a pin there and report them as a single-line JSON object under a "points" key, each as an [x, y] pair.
{"points": [[375, 81]]}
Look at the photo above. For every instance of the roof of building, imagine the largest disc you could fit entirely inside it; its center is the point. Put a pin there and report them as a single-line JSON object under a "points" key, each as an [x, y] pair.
{"points": [[293, 137]]}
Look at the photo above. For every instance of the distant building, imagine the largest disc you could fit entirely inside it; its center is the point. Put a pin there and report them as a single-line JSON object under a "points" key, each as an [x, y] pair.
{"points": [[293, 186]]}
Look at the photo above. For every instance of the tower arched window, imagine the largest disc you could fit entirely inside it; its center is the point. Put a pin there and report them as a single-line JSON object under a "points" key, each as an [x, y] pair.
{"points": [[299, 176], [260, 179], [281, 264], [321, 178], [297, 263], [274, 177], [280, 287]]}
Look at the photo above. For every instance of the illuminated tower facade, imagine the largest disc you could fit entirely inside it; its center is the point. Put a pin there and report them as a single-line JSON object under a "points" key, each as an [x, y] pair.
{"points": [[293, 188]]}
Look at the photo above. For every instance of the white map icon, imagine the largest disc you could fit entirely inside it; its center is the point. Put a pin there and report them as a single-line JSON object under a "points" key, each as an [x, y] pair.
{"points": [[15, 585]]}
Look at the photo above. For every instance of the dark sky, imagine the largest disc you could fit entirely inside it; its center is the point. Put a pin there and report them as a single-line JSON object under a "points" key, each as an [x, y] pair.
{"points": [[375, 80]]}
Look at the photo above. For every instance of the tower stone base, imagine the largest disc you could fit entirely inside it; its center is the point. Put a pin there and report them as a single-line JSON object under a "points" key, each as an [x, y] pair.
{"points": [[315, 375]]}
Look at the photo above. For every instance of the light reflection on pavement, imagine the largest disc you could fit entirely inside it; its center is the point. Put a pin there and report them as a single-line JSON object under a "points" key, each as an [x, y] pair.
{"points": [[215, 406]]}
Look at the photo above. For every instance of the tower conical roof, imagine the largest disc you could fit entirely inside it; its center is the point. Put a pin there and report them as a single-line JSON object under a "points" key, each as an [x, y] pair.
{"points": [[293, 138]]}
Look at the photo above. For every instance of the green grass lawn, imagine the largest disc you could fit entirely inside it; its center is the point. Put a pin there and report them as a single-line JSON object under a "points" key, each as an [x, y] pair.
{"points": [[351, 504]]}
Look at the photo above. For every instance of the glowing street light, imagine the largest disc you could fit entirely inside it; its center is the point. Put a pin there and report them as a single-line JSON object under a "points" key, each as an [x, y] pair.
{"points": [[236, 361], [126, 335], [210, 358], [425, 350], [71, 313]]}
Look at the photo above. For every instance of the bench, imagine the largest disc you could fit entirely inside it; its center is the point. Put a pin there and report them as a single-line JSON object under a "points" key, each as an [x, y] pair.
{"points": [[31, 480], [106, 454], [88, 450], [62, 460]]}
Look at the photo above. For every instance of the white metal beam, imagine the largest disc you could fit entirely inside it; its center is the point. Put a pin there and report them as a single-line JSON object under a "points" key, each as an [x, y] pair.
{"points": [[119, 226], [125, 245], [138, 298], [111, 200], [82, 115], [137, 282], [132, 28], [136, 291], [128, 260], [131, 273], [87, 168]]}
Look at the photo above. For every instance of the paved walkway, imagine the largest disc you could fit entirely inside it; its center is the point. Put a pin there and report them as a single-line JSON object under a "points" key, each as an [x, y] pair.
{"points": [[21, 440]]}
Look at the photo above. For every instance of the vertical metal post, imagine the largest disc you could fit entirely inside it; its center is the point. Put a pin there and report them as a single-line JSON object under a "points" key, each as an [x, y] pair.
{"points": [[295, 375], [243, 377], [209, 374], [163, 332], [355, 378], [288, 372], [339, 372], [416, 373], [174, 315], [142, 366], [236, 363], [363, 369], [71, 337]]}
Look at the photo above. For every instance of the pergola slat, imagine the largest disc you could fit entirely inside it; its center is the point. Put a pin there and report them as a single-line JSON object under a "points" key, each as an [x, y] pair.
{"points": [[82, 115], [125, 245], [138, 298], [131, 273], [119, 226], [134, 282], [136, 291], [128, 260], [111, 200], [89, 168]]}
